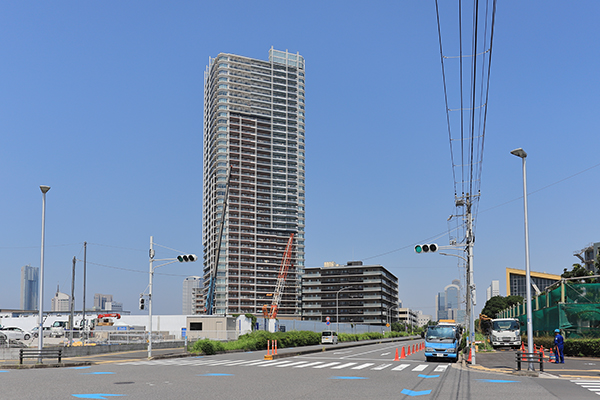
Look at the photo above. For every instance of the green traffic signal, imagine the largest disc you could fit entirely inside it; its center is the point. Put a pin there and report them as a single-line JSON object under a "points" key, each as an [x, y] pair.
{"points": [[418, 248]]}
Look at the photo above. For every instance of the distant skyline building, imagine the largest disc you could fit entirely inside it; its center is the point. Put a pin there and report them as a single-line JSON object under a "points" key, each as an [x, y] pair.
{"points": [[30, 288], [493, 290], [448, 302], [254, 126], [189, 294], [100, 301], [61, 302]]}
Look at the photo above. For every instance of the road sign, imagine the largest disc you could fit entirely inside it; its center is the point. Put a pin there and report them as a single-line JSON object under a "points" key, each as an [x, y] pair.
{"points": [[327, 322], [327, 319]]}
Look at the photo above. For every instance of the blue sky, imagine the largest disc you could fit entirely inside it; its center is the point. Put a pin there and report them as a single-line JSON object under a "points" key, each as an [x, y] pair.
{"points": [[103, 101]]}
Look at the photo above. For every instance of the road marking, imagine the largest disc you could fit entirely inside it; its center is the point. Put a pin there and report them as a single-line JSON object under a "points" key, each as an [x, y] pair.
{"points": [[428, 376], [400, 367], [440, 368], [275, 363], [385, 354], [348, 377], [380, 367], [215, 374], [343, 365], [292, 364], [414, 393], [363, 366], [420, 368], [258, 363], [95, 395], [309, 364], [327, 365], [342, 352]]}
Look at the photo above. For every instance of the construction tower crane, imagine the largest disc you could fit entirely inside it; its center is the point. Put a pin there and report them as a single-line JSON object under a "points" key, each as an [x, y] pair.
{"points": [[271, 313]]}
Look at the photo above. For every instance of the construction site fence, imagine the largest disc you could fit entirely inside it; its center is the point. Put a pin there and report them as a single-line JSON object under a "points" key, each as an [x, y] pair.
{"points": [[574, 308]]}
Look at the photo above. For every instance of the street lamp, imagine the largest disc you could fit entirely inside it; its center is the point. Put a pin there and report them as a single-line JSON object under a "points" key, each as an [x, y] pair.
{"points": [[44, 190], [523, 155], [337, 310]]}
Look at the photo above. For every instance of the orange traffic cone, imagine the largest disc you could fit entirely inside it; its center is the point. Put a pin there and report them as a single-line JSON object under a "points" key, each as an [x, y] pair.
{"points": [[522, 347], [542, 351], [470, 355], [402, 353], [422, 345], [275, 351], [396, 358], [534, 348], [408, 351]]}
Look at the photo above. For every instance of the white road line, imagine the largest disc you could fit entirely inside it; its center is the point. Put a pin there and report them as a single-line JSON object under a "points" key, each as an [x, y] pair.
{"points": [[275, 363], [292, 364], [239, 362], [440, 368], [421, 367], [309, 364], [343, 366], [400, 367], [380, 367], [363, 366], [258, 363], [385, 354], [327, 365]]}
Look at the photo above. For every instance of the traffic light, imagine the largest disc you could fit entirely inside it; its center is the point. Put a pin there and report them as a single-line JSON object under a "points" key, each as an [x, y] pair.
{"points": [[187, 258], [426, 248], [142, 301]]}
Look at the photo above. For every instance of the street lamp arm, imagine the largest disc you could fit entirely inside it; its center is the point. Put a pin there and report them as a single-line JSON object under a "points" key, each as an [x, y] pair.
{"points": [[164, 259], [454, 255]]}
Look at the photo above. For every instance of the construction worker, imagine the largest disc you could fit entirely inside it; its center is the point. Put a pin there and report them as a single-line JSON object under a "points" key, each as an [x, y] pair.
{"points": [[559, 347]]}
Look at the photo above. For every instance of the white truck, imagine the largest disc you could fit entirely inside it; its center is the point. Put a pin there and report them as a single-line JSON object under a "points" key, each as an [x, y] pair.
{"points": [[505, 332]]}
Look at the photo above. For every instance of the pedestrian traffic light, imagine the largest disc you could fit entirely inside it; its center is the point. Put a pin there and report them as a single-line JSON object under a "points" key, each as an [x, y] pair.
{"points": [[187, 258], [142, 301], [426, 248]]}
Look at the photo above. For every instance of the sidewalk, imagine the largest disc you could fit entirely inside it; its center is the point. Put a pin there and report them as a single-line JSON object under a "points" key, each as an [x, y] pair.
{"points": [[504, 361]]}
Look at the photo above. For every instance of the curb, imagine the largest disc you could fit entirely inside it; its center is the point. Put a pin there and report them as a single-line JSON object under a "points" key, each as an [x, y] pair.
{"points": [[54, 365]]}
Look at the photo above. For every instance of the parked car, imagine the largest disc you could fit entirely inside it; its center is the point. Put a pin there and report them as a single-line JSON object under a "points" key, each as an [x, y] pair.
{"points": [[3, 339], [47, 331], [329, 337], [14, 333]]}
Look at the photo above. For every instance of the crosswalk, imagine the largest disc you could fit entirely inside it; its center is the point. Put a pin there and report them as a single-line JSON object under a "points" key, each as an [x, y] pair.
{"points": [[591, 385], [293, 363]]}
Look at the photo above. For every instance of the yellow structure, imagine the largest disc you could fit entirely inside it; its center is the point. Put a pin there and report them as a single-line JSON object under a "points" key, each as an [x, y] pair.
{"points": [[515, 281]]}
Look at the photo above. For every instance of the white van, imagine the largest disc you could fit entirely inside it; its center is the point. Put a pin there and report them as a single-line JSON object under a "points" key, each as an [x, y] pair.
{"points": [[505, 332], [329, 337]]}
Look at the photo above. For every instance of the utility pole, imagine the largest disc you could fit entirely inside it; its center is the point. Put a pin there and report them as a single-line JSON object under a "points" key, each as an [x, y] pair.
{"points": [[71, 317], [470, 281], [85, 326]]}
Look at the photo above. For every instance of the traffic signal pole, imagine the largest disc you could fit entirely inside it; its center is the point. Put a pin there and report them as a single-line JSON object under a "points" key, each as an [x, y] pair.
{"points": [[180, 258]]}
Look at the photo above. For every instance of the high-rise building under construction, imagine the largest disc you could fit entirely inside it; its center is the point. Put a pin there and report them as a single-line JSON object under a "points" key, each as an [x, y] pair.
{"points": [[253, 145]]}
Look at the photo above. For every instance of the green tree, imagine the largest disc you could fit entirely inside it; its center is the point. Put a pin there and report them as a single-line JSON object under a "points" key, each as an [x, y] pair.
{"points": [[579, 271], [498, 303]]}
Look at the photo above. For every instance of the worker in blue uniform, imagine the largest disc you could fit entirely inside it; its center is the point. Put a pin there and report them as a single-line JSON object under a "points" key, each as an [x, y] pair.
{"points": [[559, 347]]}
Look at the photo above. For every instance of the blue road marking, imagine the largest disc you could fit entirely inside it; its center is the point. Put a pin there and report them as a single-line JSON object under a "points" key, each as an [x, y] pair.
{"points": [[428, 376], [95, 395], [348, 377], [3, 370], [496, 381], [215, 375], [98, 373], [80, 367], [413, 393]]}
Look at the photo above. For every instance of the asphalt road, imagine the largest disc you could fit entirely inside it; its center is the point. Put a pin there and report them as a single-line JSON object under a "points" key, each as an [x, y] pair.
{"points": [[365, 372]]}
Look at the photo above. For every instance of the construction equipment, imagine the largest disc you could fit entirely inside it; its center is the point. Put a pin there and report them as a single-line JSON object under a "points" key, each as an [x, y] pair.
{"points": [[271, 313], [105, 319], [209, 305]]}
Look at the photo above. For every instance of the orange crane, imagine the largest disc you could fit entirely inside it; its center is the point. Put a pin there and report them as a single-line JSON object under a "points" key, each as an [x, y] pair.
{"points": [[285, 264]]}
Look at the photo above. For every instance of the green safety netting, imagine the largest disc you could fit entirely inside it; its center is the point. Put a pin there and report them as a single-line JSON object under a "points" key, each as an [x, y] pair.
{"points": [[577, 317]]}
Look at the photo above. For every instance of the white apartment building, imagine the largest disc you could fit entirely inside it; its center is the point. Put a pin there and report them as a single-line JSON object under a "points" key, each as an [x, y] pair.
{"points": [[254, 127]]}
